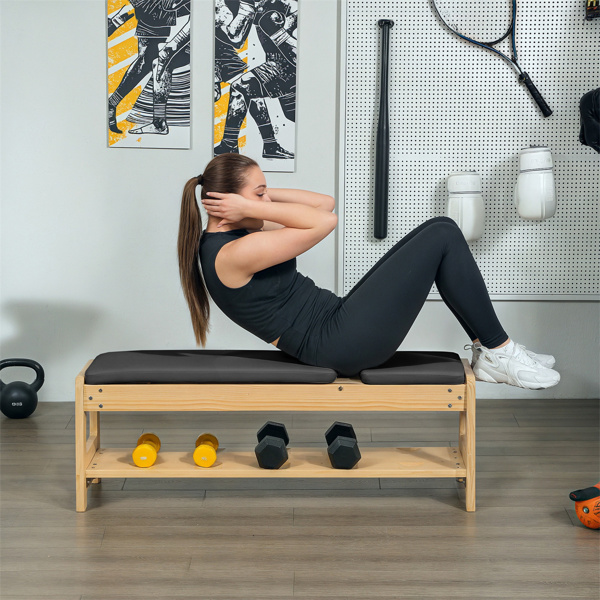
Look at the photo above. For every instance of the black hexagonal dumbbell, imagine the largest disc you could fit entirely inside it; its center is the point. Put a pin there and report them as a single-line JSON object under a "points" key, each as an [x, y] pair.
{"points": [[342, 446], [271, 451]]}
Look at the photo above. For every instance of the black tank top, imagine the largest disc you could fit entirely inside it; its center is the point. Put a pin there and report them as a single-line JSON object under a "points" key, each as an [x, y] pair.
{"points": [[275, 300]]}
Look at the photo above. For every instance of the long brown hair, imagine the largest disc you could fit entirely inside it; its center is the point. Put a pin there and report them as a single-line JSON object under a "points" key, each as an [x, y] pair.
{"points": [[227, 174]]}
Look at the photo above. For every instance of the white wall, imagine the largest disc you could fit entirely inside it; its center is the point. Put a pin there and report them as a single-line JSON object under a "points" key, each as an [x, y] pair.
{"points": [[88, 248]]}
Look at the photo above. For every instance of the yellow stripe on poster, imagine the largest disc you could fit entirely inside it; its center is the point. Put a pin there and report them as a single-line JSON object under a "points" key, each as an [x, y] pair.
{"points": [[122, 51], [114, 5], [220, 115], [222, 105], [114, 79]]}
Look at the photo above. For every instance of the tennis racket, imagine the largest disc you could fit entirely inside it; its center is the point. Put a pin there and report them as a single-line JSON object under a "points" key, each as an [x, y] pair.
{"points": [[478, 20]]}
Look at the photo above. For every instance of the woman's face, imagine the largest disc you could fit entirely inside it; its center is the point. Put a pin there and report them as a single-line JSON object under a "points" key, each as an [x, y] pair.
{"points": [[255, 189], [256, 185]]}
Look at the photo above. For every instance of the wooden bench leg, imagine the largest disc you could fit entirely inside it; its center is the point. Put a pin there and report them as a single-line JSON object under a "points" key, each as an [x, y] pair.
{"points": [[466, 432], [467, 449], [80, 443], [86, 445]]}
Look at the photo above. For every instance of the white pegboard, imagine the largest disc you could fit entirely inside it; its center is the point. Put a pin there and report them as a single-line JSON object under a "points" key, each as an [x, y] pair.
{"points": [[456, 107]]}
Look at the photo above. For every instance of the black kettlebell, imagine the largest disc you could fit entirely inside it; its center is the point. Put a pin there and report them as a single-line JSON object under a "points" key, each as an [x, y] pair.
{"points": [[19, 399]]}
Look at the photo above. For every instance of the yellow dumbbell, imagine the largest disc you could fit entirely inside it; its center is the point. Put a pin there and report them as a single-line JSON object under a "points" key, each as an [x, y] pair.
{"points": [[205, 453], [146, 450]]}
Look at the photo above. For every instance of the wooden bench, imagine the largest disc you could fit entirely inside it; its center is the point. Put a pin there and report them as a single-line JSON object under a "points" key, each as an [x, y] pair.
{"points": [[268, 381]]}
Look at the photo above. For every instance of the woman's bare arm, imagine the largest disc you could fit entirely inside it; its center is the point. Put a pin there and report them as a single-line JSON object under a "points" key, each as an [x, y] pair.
{"points": [[314, 199]]}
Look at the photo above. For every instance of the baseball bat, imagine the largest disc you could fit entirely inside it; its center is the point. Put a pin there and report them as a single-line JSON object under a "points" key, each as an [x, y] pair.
{"points": [[382, 148]]}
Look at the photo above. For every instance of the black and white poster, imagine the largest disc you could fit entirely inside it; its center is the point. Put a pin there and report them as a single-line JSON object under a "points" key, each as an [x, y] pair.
{"points": [[148, 73], [255, 80]]}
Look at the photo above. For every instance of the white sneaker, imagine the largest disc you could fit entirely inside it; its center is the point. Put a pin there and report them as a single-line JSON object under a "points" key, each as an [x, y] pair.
{"points": [[514, 367], [546, 360]]}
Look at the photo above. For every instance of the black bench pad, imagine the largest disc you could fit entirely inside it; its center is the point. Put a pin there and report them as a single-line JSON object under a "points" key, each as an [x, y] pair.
{"points": [[203, 366], [261, 366], [417, 368]]}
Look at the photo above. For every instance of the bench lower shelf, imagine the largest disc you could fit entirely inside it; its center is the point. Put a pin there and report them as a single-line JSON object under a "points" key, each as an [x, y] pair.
{"points": [[435, 461]]}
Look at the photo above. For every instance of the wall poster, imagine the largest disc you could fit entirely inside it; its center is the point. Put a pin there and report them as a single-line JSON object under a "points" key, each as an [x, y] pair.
{"points": [[148, 73], [255, 80]]}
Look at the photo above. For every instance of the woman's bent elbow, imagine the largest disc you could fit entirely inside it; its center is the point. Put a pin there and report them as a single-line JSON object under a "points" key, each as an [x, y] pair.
{"points": [[329, 203], [332, 219]]}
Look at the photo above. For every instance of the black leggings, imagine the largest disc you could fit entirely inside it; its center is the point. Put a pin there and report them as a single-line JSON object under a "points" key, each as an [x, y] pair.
{"points": [[378, 312]]}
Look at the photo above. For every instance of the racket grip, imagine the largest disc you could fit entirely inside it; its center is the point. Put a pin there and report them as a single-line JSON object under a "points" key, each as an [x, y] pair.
{"points": [[546, 110]]}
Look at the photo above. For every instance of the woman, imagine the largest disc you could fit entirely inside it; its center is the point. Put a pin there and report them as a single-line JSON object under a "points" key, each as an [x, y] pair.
{"points": [[248, 257]]}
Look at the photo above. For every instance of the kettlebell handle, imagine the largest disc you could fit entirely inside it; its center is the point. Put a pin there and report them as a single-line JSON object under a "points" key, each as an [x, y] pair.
{"points": [[24, 362]]}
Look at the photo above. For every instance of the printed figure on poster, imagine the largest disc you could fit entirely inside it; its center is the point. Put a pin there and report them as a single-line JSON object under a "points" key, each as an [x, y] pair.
{"points": [[255, 73], [149, 73]]}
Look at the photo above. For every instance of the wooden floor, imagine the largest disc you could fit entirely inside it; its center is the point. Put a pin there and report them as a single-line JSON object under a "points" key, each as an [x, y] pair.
{"points": [[314, 539]]}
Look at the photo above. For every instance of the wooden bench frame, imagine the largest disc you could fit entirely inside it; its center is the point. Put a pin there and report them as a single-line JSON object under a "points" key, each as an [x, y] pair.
{"points": [[94, 462]]}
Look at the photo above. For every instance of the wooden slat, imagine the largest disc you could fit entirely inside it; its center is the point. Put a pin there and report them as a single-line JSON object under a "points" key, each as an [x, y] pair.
{"points": [[302, 463], [467, 436], [346, 395], [82, 458]]}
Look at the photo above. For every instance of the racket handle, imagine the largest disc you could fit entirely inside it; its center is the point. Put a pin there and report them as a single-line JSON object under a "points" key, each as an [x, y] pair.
{"points": [[546, 110]]}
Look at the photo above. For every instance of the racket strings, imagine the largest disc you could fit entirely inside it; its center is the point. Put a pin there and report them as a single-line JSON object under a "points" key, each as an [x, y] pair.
{"points": [[485, 21]]}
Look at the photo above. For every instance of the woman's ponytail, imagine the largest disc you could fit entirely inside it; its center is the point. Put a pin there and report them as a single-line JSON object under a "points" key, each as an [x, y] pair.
{"points": [[188, 243], [226, 173]]}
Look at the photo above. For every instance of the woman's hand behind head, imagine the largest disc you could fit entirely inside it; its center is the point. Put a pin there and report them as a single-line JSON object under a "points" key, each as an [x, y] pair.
{"points": [[230, 209]]}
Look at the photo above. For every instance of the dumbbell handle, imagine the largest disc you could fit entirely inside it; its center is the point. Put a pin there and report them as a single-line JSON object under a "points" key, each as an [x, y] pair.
{"points": [[206, 443], [150, 443]]}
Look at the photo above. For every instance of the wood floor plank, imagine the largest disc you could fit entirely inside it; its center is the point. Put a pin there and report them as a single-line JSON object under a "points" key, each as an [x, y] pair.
{"points": [[525, 464], [302, 552], [402, 563], [407, 434], [543, 496], [93, 559], [446, 584], [40, 536], [228, 597], [59, 596], [331, 498], [546, 420], [539, 448], [534, 480], [556, 432], [589, 407], [28, 453], [444, 515], [145, 582], [189, 516], [41, 435]]}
